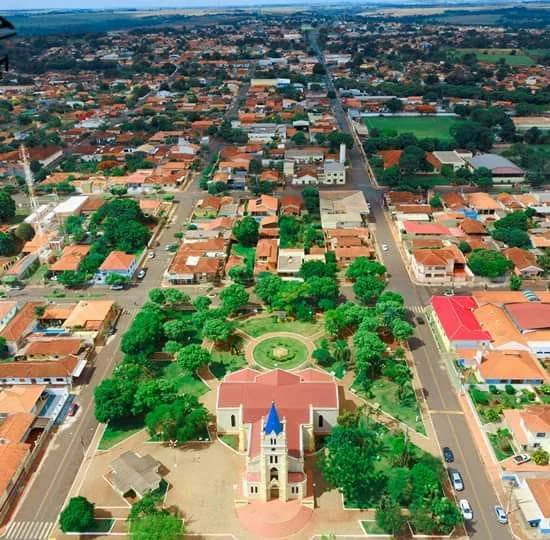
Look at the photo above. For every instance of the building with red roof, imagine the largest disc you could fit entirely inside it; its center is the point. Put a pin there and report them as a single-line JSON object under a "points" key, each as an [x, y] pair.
{"points": [[117, 262], [276, 416], [458, 327]]}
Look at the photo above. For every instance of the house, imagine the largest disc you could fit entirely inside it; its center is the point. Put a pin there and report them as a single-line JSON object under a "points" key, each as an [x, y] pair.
{"points": [[525, 262], [416, 229], [267, 251], [198, 262], [530, 426], [19, 327], [118, 263], [472, 227], [276, 417], [70, 259], [7, 311], [52, 373], [265, 205], [449, 158], [502, 169], [269, 227], [334, 172], [290, 205], [48, 348], [210, 206], [343, 209], [484, 206], [510, 367], [533, 496], [91, 319], [289, 261], [444, 266], [456, 324], [70, 207]]}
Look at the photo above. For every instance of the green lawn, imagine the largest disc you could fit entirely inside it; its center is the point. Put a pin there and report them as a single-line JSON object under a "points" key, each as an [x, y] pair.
{"points": [[421, 126], [384, 392], [231, 440], [258, 326], [500, 453], [224, 362], [492, 56], [370, 527], [249, 254], [280, 352], [185, 382], [116, 432]]}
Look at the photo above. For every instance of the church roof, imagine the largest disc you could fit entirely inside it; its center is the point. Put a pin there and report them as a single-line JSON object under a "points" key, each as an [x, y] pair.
{"points": [[273, 424]]}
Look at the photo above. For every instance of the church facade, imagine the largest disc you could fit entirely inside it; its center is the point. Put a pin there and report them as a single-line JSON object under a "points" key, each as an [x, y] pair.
{"points": [[276, 416]]}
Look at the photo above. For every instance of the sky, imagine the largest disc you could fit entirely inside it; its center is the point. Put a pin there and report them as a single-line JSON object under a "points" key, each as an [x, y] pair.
{"points": [[100, 4]]}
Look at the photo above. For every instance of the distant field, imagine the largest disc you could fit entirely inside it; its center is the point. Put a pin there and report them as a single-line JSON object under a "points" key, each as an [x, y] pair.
{"points": [[421, 126], [492, 56]]}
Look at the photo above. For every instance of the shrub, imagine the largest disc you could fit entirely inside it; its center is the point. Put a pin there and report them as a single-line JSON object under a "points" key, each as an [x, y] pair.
{"points": [[510, 390], [493, 389], [479, 396], [540, 457]]}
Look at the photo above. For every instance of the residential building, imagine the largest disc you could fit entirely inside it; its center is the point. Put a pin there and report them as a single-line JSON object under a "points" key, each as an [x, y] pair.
{"points": [[343, 209], [525, 262], [267, 252], [530, 426], [444, 266], [502, 169], [510, 367], [118, 263], [533, 497], [70, 259]]}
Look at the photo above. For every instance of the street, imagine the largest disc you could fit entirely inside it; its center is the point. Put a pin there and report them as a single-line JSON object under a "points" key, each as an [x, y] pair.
{"points": [[445, 411]]}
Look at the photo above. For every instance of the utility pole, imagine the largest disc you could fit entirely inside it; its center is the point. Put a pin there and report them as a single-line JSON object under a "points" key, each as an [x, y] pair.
{"points": [[173, 444]]}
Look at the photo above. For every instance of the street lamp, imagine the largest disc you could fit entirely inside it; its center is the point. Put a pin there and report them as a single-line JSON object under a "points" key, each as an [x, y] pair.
{"points": [[173, 444]]}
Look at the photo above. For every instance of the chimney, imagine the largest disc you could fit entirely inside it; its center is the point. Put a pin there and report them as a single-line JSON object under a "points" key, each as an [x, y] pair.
{"points": [[342, 153]]}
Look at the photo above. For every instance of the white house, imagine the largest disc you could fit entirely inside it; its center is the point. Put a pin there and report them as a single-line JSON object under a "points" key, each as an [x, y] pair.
{"points": [[117, 262]]}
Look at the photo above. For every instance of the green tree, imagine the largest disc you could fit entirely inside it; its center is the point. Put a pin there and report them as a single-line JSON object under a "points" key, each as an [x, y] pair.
{"points": [[192, 357], [7, 206], [71, 279], [488, 263], [436, 202], [402, 330], [183, 420], [310, 195], [268, 287], [24, 232], [362, 266], [116, 279], [152, 392], [515, 282], [446, 514], [540, 456], [368, 288], [389, 518], [202, 303], [77, 516], [399, 485], [146, 332], [159, 526], [246, 231], [241, 274], [178, 330], [217, 330], [7, 245], [234, 297]]}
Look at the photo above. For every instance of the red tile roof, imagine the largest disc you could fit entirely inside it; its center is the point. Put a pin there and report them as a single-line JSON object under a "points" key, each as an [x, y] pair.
{"points": [[117, 260], [416, 227], [456, 316], [530, 315]]}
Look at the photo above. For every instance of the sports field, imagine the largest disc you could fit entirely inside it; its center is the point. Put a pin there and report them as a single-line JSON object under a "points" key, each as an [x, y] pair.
{"points": [[421, 126], [492, 56]]}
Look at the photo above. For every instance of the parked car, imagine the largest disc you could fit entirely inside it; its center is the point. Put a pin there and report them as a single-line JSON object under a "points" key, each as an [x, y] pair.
{"points": [[151, 255], [466, 509], [73, 409], [456, 480], [502, 516], [54, 277], [420, 319], [448, 455], [521, 458], [141, 274], [385, 247], [117, 287], [449, 293]]}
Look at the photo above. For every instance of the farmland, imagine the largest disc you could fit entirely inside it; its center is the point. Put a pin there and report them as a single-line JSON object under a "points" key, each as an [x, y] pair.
{"points": [[492, 56]]}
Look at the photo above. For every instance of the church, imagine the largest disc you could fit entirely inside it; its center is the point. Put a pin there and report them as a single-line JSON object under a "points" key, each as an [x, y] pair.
{"points": [[276, 416]]}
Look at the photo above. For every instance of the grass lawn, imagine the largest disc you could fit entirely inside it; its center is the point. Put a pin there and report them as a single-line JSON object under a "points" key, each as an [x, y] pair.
{"points": [[186, 383], [384, 392], [116, 432], [421, 126], [488, 404], [280, 352], [370, 527], [231, 440], [258, 326], [492, 56], [499, 452], [249, 254], [224, 362]]}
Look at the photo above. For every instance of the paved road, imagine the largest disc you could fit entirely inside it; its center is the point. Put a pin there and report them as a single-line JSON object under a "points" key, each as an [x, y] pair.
{"points": [[449, 422]]}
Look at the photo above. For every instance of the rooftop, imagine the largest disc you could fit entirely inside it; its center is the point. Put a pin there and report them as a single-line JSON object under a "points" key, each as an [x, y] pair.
{"points": [[457, 318]]}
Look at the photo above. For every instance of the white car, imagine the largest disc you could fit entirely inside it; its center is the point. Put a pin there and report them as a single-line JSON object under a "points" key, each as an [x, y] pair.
{"points": [[385, 247], [151, 255], [141, 274], [502, 516], [456, 480], [521, 458], [466, 509]]}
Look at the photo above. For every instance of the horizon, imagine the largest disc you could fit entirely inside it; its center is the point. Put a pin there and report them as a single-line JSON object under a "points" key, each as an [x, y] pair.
{"points": [[24, 5]]}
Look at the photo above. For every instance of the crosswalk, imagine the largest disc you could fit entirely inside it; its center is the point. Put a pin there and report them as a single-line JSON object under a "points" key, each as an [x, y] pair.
{"points": [[29, 530], [416, 309]]}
